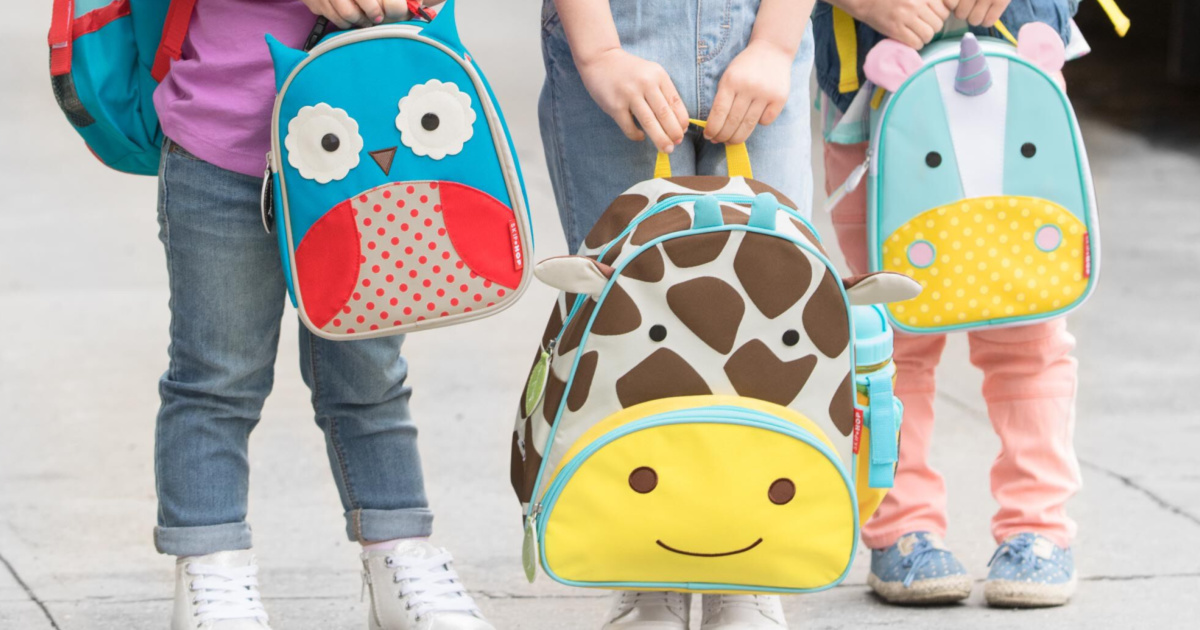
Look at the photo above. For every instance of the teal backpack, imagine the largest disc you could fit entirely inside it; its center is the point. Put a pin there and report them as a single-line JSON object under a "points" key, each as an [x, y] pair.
{"points": [[106, 59]]}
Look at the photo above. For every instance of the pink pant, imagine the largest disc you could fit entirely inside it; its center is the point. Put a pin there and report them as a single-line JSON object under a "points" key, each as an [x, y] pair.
{"points": [[1029, 385]]}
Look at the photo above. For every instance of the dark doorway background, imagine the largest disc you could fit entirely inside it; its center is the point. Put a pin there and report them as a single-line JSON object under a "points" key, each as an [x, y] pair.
{"points": [[1148, 81]]}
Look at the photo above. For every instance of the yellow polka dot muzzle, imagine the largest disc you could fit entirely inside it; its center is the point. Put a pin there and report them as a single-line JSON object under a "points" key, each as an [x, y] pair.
{"points": [[989, 261]]}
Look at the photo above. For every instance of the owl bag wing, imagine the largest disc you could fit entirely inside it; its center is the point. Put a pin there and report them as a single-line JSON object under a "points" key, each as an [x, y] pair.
{"points": [[398, 198]]}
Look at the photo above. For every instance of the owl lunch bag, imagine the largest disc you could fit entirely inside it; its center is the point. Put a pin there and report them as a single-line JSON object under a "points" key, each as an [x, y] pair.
{"points": [[979, 186], [396, 193], [694, 419]]}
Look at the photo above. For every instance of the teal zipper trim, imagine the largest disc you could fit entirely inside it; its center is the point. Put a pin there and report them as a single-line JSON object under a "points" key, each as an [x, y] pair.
{"points": [[704, 415], [534, 501]]}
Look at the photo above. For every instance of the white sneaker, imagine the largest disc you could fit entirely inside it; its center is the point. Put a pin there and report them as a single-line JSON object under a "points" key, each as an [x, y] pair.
{"points": [[727, 612], [218, 592], [649, 610], [413, 587]]}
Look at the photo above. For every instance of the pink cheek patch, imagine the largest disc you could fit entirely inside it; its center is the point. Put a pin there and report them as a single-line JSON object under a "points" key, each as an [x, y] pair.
{"points": [[921, 254], [1048, 238]]}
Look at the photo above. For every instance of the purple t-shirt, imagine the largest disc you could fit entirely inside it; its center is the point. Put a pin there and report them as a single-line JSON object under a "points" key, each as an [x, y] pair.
{"points": [[217, 100]]}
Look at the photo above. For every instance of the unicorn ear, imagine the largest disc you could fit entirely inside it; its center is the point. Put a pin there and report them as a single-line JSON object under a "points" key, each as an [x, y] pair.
{"points": [[890, 63], [286, 59], [444, 25], [1041, 44]]}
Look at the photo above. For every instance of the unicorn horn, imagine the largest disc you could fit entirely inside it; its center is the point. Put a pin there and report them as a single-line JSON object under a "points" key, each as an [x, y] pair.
{"points": [[973, 77]]}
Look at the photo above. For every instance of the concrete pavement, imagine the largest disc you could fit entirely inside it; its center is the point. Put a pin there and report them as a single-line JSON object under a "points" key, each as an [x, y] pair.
{"points": [[83, 314]]}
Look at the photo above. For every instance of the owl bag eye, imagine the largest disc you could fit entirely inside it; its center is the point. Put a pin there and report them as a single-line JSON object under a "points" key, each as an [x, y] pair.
{"points": [[323, 143], [436, 119]]}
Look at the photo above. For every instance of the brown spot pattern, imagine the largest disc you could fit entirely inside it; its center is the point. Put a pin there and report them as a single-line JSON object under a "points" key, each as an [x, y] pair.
{"points": [[573, 335], [610, 257], [555, 388], [825, 318], [697, 249], [524, 470], [618, 314], [615, 219], [700, 183], [663, 374], [810, 235], [672, 219], [755, 372], [773, 272], [841, 408], [710, 308], [553, 327], [733, 216], [760, 188], [581, 386], [647, 266]]}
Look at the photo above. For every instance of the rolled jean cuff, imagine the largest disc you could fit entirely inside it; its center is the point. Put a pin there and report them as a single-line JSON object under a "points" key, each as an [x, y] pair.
{"points": [[364, 526], [202, 540]]}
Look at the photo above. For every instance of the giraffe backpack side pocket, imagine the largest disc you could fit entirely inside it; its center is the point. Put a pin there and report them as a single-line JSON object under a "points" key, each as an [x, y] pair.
{"points": [[690, 420], [979, 186], [396, 192]]}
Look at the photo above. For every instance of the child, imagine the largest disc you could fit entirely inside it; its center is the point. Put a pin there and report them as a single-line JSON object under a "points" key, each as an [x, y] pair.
{"points": [[227, 297], [1029, 374], [640, 69]]}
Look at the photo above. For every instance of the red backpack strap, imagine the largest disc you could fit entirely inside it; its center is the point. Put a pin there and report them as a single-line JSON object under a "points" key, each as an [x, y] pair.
{"points": [[174, 32], [61, 23]]}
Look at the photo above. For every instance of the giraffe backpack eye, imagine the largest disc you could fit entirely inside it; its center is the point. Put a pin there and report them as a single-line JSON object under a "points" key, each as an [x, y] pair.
{"points": [[392, 183], [702, 418]]}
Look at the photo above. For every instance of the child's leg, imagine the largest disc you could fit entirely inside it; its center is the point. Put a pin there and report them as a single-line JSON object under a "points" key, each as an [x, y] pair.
{"points": [[917, 502], [591, 162], [227, 295], [1029, 385], [780, 153], [361, 403]]}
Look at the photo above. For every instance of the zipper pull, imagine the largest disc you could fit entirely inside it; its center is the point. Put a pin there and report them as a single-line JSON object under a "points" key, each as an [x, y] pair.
{"points": [[850, 185], [529, 548], [268, 198]]}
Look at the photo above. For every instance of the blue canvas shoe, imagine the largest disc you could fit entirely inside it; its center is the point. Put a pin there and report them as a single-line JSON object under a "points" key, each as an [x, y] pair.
{"points": [[1030, 571], [918, 569]]}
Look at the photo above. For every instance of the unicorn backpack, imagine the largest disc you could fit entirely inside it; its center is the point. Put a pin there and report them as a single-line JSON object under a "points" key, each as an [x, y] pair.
{"points": [[397, 195], [690, 421], [979, 186]]}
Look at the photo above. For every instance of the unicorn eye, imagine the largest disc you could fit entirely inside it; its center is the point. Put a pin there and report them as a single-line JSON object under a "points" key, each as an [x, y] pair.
{"points": [[323, 143], [1028, 149], [436, 119], [933, 159]]}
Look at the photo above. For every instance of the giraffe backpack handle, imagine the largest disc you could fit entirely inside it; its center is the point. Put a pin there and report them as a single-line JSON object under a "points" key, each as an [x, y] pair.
{"points": [[737, 158], [691, 419]]}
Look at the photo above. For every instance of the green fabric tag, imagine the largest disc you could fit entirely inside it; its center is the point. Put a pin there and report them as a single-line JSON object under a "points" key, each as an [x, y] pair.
{"points": [[529, 551], [537, 382]]}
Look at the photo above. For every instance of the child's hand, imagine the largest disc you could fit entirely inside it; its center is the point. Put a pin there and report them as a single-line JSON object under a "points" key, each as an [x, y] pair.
{"points": [[752, 91], [911, 22], [628, 87], [978, 12], [350, 13]]}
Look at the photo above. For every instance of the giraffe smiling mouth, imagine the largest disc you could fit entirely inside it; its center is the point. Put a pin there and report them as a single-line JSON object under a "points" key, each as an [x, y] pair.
{"points": [[709, 555]]}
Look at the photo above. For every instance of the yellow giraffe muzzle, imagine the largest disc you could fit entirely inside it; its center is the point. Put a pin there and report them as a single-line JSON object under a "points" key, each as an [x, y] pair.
{"points": [[989, 259]]}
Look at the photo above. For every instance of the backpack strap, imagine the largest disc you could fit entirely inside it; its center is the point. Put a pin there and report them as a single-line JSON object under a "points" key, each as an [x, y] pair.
{"points": [[737, 159], [61, 37], [845, 36], [175, 29]]}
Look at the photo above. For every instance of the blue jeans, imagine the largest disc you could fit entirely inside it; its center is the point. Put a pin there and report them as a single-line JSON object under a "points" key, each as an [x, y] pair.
{"points": [[227, 298], [591, 162]]}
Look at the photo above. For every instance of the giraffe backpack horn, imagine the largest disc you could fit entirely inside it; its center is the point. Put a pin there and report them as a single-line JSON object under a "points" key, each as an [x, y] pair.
{"points": [[393, 183], [694, 419]]}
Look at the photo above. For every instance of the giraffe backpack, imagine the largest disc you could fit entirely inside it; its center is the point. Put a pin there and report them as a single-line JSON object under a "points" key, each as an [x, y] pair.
{"points": [[399, 200], [690, 421], [979, 186]]}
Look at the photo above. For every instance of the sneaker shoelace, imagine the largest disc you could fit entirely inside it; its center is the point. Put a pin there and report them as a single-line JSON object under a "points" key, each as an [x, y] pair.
{"points": [[922, 552], [222, 593], [430, 585], [1019, 549]]}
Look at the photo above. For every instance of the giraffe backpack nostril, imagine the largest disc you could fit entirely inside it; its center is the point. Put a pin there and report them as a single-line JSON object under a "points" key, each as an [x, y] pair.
{"points": [[782, 491]]}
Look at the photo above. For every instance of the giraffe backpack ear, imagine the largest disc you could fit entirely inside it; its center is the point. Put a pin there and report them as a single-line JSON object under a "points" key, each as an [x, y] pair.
{"points": [[574, 274], [880, 288]]}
